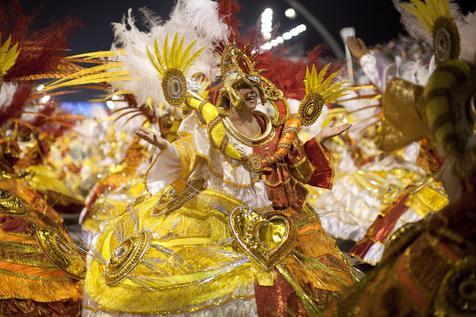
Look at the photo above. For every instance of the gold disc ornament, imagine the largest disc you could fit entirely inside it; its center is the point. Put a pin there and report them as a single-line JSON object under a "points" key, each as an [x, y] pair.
{"points": [[253, 163], [446, 40], [174, 87], [126, 257], [61, 252], [310, 108]]}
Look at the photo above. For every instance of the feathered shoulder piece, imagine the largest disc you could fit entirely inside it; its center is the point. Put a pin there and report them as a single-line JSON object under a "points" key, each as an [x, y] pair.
{"points": [[321, 88]]}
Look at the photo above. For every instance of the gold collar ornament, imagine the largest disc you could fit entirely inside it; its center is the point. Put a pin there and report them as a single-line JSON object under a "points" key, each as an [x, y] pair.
{"points": [[267, 238], [266, 136]]}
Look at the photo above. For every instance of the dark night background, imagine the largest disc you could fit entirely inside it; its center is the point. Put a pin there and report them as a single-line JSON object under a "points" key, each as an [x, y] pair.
{"points": [[375, 20]]}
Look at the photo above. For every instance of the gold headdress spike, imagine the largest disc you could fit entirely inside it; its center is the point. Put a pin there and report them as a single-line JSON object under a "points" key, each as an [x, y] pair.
{"points": [[8, 56], [435, 17], [171, 64], [319, 91]]}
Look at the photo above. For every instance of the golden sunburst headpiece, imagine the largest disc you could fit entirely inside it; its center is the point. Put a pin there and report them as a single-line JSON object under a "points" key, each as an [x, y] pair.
{"points": [[435, 17], [171, 64], [8, 56], [319, 91]]}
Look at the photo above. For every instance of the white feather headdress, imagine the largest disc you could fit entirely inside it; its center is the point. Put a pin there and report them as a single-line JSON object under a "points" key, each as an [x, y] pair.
{"points": [[195, 20]]}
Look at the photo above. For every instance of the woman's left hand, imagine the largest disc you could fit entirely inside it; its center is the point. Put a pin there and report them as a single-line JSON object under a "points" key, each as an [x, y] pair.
{"points": [[331, 131]]}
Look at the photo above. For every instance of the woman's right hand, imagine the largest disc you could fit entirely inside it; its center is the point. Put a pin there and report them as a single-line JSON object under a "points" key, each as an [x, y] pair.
{"points": [[153, 138]]}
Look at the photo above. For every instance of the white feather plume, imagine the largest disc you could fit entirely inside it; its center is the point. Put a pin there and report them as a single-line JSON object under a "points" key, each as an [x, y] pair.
{"points": [[467, 32], [193, 19], [411, 24]]}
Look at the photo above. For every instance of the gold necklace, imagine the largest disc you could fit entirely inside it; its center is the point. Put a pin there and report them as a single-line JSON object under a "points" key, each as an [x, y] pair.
{"points": [[253, 142]]}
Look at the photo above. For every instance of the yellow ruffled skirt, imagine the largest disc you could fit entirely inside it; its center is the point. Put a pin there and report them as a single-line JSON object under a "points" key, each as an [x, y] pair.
{"points": [[170, 254]]}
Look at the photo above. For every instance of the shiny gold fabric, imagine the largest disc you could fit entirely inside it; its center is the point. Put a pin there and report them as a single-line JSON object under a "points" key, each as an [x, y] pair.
{"points": [[38, 261], [403, 120]]}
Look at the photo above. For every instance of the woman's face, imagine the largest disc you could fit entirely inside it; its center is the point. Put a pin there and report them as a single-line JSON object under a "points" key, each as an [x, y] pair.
{"points": [[249, 97]]}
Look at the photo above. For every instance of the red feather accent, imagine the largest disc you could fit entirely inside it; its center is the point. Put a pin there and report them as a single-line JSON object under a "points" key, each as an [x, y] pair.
{"points": [[227, 10], [41, 51], [286, 74]]}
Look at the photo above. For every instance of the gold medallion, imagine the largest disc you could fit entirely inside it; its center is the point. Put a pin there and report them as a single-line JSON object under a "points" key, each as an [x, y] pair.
{"points": [[310, 108], [174, 87], [253, 164], [457, 293], [61, 252], [126, 257]]}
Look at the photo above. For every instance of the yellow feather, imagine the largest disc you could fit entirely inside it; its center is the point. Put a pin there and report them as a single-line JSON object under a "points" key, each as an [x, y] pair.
{"points": [[187, 52], [428, 12], [160, 61], [179, 52], [192, 59], [152, 60], [173, 57], [306, 81], [432, 9], [6, 45], [321, 76], [326, 83], [91, 79], [96, 55], [340, 85], [166, 51], [8, 56], [336, 95], [173, 52], [85, 73]]}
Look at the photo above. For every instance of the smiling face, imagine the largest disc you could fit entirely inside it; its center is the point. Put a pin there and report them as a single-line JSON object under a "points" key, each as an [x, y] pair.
{"points": [[249, 96]]}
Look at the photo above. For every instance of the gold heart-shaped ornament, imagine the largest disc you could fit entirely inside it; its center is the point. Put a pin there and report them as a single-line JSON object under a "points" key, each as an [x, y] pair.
{"points": [[267, 238]]}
